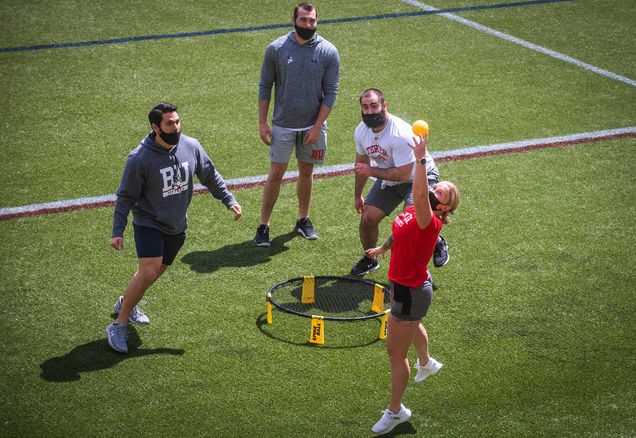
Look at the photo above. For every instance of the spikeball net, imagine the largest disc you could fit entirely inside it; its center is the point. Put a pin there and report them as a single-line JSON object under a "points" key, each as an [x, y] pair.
{"points": [[330, 298]]}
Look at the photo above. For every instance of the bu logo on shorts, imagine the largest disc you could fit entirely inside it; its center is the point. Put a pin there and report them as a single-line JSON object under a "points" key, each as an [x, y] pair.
{"points": [[317, 154]]}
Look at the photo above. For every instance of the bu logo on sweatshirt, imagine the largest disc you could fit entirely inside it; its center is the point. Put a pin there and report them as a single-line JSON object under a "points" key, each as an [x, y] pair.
{"points": [[175, 182]]}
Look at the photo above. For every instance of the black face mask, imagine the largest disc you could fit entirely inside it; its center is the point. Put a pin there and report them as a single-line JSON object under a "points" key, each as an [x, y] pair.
{"points": [[170, 138], [305, 34], [374, 120], [433, 200]]}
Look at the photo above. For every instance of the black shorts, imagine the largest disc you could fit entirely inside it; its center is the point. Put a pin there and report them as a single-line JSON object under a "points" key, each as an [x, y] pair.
{"points": [[410, 303], [152, 242]]}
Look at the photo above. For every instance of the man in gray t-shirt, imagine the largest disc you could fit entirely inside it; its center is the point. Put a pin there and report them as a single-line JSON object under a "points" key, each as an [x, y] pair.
{"points": [[304, 70]]}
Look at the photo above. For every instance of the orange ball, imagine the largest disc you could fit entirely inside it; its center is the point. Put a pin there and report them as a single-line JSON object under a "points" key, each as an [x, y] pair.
{"points": [[420, 127]]}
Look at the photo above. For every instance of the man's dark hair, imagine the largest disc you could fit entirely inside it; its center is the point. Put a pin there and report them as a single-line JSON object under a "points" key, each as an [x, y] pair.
{"points": [[157, 112], [374, 91], [306, 6]]}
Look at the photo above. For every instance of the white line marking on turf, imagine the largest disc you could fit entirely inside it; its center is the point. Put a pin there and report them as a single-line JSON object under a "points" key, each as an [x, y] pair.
{"points": [[339, 169], [533, 143], [525, 44]]}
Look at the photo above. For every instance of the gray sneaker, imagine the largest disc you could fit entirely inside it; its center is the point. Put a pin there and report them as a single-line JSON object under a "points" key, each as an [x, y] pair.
{"points": [[137, 316], [116, 334]]}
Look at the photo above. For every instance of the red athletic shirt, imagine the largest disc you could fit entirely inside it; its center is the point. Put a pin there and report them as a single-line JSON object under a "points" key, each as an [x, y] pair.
{"points": [[412, 248]]}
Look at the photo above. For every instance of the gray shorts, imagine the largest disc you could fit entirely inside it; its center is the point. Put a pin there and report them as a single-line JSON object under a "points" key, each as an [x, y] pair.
{"points": [[410, 303], [386, 199], [284, 141]]}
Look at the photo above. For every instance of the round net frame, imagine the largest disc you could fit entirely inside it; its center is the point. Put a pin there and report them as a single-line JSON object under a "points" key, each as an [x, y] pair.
{"points": [[334, 298]]}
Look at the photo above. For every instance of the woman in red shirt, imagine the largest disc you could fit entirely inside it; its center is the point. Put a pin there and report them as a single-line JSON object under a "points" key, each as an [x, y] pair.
{"points": [[414, 233]]}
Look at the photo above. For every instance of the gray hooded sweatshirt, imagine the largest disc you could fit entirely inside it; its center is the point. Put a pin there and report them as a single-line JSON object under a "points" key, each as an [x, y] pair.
{"points": [[157, 185]]}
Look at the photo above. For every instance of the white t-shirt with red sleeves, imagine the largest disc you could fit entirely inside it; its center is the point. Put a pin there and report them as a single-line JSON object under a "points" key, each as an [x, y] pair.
{"points": [[412, 248], [389, 147]]}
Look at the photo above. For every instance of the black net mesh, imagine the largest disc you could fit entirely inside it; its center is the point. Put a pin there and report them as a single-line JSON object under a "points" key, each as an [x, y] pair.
{"points": [[337, 298]]}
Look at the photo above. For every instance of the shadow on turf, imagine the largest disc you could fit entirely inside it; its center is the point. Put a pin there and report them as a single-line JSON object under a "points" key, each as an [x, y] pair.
{"points": [[236, 255], [261, 324], [94, 356], [402, 429]]}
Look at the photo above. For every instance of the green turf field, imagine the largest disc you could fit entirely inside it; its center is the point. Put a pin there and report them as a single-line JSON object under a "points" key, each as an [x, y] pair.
{"points": [[533, 317]]}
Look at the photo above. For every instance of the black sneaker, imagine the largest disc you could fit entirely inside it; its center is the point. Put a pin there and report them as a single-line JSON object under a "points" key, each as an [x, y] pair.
{"points": [[440, 256], [364, 266], [306, 229], [262, 235]]}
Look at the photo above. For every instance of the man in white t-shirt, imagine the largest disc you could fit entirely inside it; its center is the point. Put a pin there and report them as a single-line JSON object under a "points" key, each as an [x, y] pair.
{"points": [[384, 139]]}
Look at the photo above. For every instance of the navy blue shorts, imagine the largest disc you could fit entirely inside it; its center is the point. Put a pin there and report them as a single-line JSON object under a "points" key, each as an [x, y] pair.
{"points": [[152, 242]]}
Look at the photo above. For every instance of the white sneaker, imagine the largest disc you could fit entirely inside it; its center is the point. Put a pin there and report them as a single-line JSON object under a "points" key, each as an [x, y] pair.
{"points": [[137, 316], [430, 369], [389, 420]]}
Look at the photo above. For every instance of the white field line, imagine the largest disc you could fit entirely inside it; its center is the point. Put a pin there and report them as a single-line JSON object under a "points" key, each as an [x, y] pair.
{"points": [[524, 43], [340, 169]]}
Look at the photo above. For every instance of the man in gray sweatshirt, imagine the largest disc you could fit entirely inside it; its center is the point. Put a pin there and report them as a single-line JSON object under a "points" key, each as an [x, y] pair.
{"points": [[157, 186], [304, 68]]}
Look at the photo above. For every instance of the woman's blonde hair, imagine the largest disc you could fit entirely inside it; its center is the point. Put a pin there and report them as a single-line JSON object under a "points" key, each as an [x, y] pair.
{"points": [[454, 198]]}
